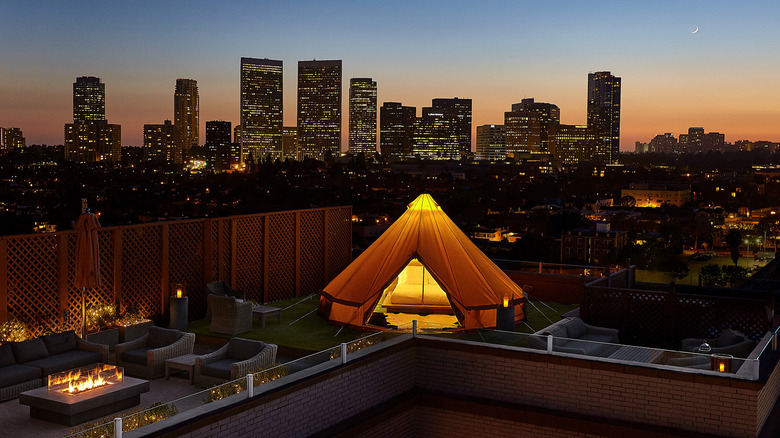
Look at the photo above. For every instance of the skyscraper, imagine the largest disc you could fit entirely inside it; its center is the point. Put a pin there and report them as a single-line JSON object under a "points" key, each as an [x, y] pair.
{"points": [[491, 142], [90, 138], [89, 100], [549, 119], [362, 116], [261, 107], [186, 114], [523, 133], [396, 129], [218, 135], [161, 143], [459, 111], [290, 142], [436, 135], [604, 115], [571, 144], [319, 108], [10, 139]]}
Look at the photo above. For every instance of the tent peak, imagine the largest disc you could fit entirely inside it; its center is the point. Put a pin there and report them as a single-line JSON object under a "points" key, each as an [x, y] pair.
{"points": [[423, 202]]}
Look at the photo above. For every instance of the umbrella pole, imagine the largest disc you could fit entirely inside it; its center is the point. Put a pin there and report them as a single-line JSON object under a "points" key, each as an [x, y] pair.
{"points": [[84, 313]]}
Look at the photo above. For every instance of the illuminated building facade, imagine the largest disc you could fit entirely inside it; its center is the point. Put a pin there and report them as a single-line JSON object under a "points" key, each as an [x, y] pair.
{"points": [[604, 115], [90, 138], [186, 114], [436, 136], [396, 129], [362, 116], [523, 133], [261, 107], [664, 143], [549, 119], [459, 113], [592, 247], [10, 139], [571, 144], [290, 142], [89, 100], [697, 141], [218, 134], [319, 108], [657, 194], [161, 143], [491, 142]]}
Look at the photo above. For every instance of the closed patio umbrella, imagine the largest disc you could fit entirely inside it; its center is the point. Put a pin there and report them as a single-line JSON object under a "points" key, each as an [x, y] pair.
{"points": [[87, 260]]}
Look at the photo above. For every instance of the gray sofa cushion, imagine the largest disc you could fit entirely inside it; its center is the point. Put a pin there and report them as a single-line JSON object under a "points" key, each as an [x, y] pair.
{"points": [[137, 356], [65, 361], [219, 368], [728, 337], [598, 337], [6, 355], [15, 374], [29, 350], [243, 349], [60, 342], [162, 337], [575, 328]]}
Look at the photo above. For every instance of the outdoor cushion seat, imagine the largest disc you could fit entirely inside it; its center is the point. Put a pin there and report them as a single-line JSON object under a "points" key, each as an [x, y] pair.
{"points": [[13, 374], [729, 342], [219, 368], [137, 356], [597, 337], [65, 361], [573, 336]]}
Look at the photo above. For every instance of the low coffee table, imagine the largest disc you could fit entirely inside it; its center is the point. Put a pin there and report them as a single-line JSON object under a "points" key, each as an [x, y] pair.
{"points": [[184, 363], [266, 311], [70, 410]]}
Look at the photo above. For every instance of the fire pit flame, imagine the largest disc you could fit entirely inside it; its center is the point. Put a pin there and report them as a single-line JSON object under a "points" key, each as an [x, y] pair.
{"points": [[78, 381]]}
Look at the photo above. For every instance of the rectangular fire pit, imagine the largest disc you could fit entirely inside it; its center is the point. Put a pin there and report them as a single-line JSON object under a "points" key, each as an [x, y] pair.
{"points": [[80, 395]]}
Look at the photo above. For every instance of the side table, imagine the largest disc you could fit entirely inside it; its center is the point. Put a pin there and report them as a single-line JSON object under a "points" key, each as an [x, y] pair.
{"points": [[266, 311], [184, 363]]}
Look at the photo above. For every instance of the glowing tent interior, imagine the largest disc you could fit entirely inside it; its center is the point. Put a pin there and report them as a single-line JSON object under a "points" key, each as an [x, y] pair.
{"points": [[422, 251]]}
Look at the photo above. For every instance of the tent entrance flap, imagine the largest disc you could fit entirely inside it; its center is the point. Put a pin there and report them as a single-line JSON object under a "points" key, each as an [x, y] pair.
{"points": [[416, 291]]}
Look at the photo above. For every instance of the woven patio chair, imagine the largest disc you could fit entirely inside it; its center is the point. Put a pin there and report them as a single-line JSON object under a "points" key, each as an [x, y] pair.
{"points": [[229, 315], [235, 359], [145, 357]]}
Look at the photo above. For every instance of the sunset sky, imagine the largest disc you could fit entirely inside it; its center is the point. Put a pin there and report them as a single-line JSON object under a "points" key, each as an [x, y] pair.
{"points": [[725, 77]]}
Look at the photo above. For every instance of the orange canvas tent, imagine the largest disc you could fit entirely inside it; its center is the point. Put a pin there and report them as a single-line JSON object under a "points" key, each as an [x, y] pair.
{"points": [[474, 285]]}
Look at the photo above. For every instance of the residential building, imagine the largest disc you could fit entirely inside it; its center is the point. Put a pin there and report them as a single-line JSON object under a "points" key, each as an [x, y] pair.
{"points": [[657, 194], [90, 138], [396, 129], [664, 143], [592, 247], [459, 112], [571, 144], [218, 134], [697, 141], [604, 115], [290, 142], [319, 108], [362, 116], [186, 114], [491, 142], [261, 107], [10, 139], [161, 143]]}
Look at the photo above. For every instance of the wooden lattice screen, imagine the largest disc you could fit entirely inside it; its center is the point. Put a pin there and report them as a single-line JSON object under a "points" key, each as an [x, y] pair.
{"points": [[270, 256]]}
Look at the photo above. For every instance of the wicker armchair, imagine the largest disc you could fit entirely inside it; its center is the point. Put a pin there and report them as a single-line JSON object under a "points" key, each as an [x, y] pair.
{"points": [[230, 316], [220, 288], [146, 356], [237, 358]]}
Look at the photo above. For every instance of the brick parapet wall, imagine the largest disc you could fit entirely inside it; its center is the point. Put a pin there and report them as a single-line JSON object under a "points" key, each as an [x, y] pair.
{"points": [[698, 403]]}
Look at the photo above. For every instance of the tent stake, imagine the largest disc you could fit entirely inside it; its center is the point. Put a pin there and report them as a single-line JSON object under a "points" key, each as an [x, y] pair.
{"points": [[537, 309], [299, 302], [304, 316]]}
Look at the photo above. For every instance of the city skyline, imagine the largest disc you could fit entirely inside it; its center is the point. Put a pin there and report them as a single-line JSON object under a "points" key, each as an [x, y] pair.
{"points": [[672, 79]]}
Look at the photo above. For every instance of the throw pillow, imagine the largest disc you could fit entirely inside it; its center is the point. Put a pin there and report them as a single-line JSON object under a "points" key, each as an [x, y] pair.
{"points": [[243, 349], [29, 350], [60, 342], [162, 337], [6, 355]]}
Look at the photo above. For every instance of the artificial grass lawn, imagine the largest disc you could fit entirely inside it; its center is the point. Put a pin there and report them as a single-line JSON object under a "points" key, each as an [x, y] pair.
{"points": [[314, 333]]}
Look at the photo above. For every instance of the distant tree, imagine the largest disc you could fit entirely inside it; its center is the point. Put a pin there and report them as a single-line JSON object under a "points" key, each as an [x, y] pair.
{"points": [[710, 275], [734, 240]]}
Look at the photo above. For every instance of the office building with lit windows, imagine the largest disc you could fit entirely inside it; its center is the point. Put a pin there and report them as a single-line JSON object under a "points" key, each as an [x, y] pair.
{"points": [[319, 108], [436, 135], [218, 133], [10, 139], [491, 142], [362, 116], [523, 133], [186, 114], [161, 143], [261, 107], [604, 115], [459, 112], [290, 142], [549, 119], [396, 129], [571, 144], [90, 138]]}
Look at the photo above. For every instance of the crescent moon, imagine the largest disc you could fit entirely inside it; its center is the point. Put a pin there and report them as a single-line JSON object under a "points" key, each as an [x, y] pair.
{"points": [[697, 30]]}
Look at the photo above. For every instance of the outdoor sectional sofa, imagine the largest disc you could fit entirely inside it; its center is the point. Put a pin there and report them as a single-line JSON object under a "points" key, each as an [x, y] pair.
{"points": [[26, 365], [572, 335]]}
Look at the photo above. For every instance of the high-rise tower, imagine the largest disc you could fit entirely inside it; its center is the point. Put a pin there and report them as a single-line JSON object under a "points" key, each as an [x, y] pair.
{"points": [[319, 108], [459, 112], [362, 116], [261, 107], [186, 114], [604, 115], [396, 129], [89, 100]]}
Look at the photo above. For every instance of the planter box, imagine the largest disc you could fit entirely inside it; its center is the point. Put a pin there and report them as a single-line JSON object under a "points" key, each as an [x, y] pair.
{"points": [[108, 337], [133, 332]]}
